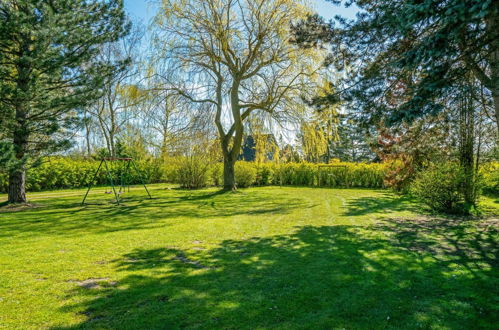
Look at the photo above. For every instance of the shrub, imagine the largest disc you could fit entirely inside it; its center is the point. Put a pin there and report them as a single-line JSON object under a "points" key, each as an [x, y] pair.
{"points": [[264, 174], [399, 174], [169, 170], [342, 175], [245, 174], [440, 187], [490, 178], [150, 169], [297, 174], [192, 172], [4, 182], [216, 174]]}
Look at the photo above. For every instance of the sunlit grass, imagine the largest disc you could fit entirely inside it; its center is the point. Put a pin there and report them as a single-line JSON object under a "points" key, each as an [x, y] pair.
{"points": [[267, 257]]}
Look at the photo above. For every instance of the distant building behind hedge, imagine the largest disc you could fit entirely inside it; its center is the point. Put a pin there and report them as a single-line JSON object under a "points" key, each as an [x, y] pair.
{"points": [[250, 146]]}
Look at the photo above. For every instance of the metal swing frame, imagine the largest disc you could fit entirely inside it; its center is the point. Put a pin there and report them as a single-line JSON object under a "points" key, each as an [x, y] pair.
{"points": [[124, 182]]}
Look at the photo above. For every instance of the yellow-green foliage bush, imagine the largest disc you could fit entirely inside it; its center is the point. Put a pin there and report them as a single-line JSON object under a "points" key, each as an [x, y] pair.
{"points": [[192, 172], [245, 174], [264, 174], [490, 178], [217, 174], [296, 174]]}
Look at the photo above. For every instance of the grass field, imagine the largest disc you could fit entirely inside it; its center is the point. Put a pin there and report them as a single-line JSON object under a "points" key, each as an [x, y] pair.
{"points": [[267, 257]]}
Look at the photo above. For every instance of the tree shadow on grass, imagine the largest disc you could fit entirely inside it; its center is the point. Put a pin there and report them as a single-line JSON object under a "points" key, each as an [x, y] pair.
{"points": [[387, 202], [66, 216], [395, 274]]}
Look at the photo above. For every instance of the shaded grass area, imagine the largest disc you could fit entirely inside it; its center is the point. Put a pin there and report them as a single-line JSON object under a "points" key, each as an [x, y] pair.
{"points": [[261, 258]]}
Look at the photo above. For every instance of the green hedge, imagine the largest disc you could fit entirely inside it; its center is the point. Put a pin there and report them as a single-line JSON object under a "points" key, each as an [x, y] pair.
{"points": [[343, 175], [66, 172]]}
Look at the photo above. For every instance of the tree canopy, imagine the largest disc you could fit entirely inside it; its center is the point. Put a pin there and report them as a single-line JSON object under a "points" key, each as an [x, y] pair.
{"points": [[406, 58]]}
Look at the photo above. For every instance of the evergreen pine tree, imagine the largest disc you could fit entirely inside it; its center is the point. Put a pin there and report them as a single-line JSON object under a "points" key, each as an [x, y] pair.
{"points": [[47, 72]]}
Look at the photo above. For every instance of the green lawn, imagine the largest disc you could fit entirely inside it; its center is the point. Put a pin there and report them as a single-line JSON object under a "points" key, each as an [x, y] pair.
{"points": [[261, 258]]}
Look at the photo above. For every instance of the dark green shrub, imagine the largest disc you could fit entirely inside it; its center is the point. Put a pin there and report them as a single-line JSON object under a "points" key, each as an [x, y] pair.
{"points": [[440, 187]]}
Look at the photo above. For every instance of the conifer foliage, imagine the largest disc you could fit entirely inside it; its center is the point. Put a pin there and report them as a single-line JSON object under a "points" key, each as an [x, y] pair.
{"points": [[423, 49], [47, 72]]}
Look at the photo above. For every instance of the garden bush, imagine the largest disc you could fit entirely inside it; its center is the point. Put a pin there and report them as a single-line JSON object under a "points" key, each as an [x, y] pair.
{"points": [[192, 172], [264, 174], [440, 187], [245, 174], [341, 175], [490, 178], [216, 174], [399, 174]]}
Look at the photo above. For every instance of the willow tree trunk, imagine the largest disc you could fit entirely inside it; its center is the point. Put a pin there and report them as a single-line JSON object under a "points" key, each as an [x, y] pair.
{"points": [[229, 174], [235, 134]]}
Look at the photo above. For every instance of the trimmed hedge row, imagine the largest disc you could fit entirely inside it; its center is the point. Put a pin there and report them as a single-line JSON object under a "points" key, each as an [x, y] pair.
{"points": [[343, 175], [65, 172], [192, 174]]}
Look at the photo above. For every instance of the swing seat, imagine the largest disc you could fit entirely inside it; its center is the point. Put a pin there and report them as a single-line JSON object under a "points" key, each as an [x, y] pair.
{"points": [[107, 192]]}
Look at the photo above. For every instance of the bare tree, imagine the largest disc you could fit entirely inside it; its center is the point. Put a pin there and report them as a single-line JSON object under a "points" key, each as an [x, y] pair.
{"points": [[123, 93], [167, 116], [235, 57]]}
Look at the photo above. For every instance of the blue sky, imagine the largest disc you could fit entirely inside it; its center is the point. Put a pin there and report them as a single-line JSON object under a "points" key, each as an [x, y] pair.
{"points": [[328, 10], [144, 9]]}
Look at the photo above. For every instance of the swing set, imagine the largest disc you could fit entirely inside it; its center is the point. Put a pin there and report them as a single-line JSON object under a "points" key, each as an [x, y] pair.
{"points": [[124, 166]]}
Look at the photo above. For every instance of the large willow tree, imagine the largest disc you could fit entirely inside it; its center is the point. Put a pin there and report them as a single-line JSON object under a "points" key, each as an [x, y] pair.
{"points": [[47, 73], [235, 57]]}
